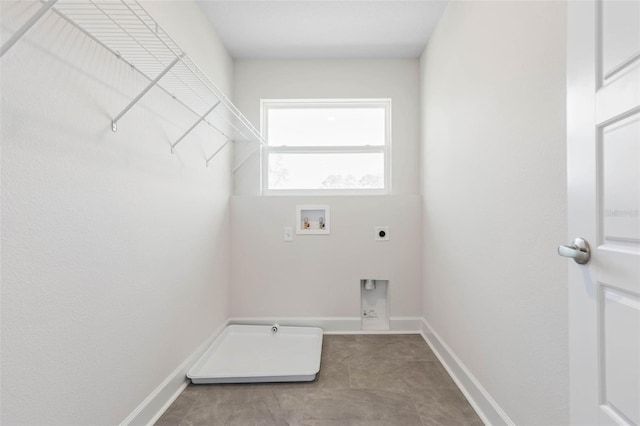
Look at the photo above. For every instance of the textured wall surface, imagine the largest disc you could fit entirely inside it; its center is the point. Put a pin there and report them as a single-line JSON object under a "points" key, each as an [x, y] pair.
{"points": [[335, 79], [493, 184], [319, 275], [115, 254]]}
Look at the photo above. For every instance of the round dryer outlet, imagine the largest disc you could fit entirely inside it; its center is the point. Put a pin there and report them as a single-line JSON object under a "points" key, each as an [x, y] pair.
{"points": [[381, 233]]}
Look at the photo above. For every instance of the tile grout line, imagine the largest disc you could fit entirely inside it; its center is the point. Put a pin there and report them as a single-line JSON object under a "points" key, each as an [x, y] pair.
{"points": [[280, 415], [349, 374], [187, 412]]}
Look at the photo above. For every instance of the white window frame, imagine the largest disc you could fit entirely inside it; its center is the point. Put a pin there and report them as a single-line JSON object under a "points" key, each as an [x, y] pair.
{"points": [[266, 104]]}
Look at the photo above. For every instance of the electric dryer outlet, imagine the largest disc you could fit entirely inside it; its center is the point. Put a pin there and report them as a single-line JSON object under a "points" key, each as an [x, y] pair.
{"points": [[381, 233]]}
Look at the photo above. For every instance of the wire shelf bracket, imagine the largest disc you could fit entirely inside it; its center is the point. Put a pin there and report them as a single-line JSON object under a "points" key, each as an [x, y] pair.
{"points": [[129, 32], [245, 159], [194, 126], [217, 151], [114, 122], [26, 26]]}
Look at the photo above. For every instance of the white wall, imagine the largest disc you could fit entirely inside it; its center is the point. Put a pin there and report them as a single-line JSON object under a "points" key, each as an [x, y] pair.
{"points": [[493, 163], [115, 254], [328, 79], [319, 276]]}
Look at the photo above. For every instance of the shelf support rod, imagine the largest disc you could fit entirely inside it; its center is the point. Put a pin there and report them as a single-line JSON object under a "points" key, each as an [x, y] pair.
{"points": [[26, 26], [114, 122], [245, 159], [218, 150], [194, 125]]}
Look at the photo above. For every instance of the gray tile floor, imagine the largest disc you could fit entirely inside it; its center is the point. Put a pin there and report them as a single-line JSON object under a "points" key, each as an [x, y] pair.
{"points": [[364, 380]]}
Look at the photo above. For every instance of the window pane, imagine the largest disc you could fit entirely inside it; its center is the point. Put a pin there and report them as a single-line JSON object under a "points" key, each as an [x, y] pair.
{"points": [[326, 171], [326, 126]]}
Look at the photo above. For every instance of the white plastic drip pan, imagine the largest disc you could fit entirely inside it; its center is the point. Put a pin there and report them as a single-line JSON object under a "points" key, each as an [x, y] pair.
{"points": [[254, 354]]}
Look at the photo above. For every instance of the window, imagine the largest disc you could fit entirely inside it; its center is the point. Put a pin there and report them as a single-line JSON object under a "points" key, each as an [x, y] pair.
{"points": [[326, 146]]}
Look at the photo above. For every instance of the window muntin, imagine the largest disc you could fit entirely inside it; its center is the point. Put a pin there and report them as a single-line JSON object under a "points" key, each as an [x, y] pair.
{"points": [[326, 147]]}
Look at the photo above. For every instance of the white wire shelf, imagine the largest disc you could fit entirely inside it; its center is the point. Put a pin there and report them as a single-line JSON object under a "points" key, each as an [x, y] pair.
{"points": [[126, 29]]}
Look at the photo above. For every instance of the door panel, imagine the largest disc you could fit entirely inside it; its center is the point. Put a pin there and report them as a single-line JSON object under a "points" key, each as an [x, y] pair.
{"points": [[620, 183], [619, 366], [618, 57], [619, 39], [603, 165], [618, 249]]}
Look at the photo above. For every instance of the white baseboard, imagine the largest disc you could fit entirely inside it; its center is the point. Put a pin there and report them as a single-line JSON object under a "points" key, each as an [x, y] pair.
{"points": [[481, 401], [336, 325], [150, 410]]}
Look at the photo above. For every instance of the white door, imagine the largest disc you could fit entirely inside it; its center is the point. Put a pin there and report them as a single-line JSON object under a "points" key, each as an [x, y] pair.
{"points": [[603, 136]]}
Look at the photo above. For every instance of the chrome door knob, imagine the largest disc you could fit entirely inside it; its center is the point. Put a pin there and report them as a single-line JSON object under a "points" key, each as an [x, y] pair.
{"points": [[579, 251]]}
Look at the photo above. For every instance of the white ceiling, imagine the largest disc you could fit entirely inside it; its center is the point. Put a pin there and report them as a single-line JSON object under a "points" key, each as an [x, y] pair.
{"points": [[324, 28]]}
